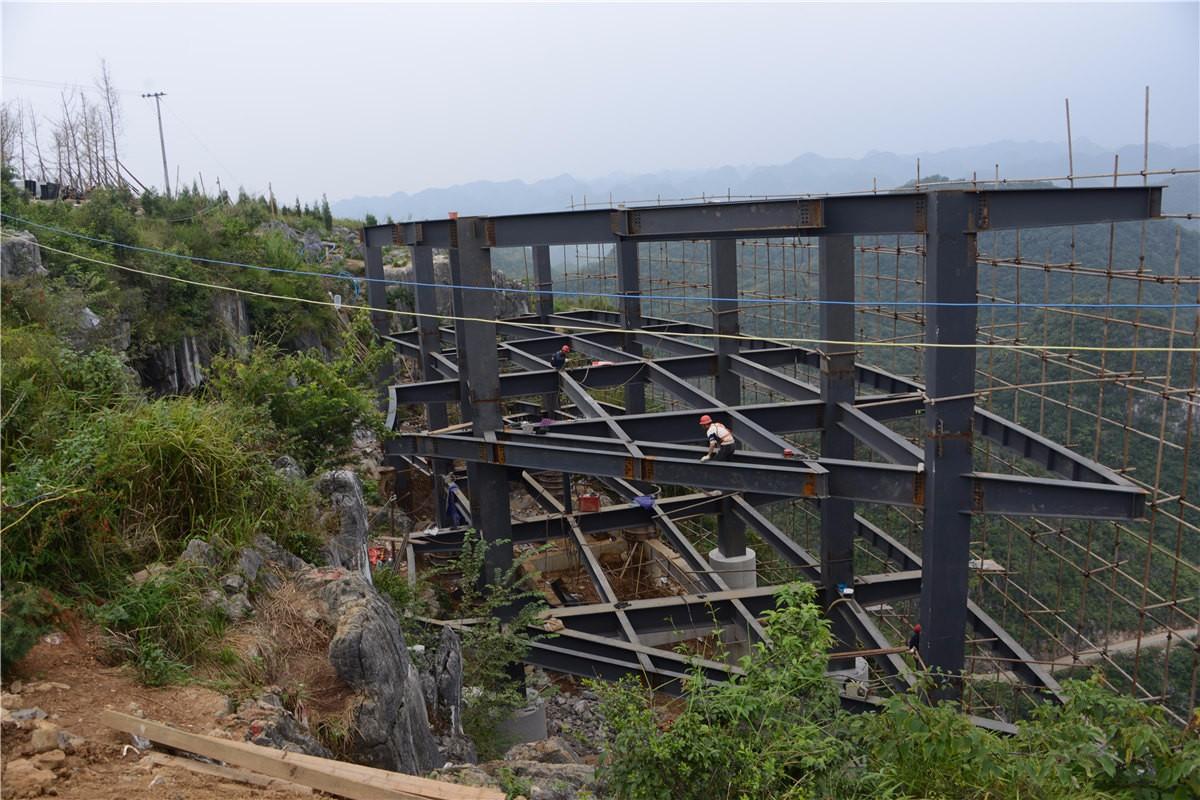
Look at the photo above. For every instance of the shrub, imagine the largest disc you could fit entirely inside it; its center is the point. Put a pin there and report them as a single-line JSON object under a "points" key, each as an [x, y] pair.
{"points": [[27, 613], [48, 386], [761, 734], [315, 404], [163, 624], [130, 485]]}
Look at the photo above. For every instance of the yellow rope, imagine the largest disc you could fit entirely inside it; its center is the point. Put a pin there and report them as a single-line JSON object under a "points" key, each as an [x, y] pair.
{"points": [[586, 329], [38, 503]]}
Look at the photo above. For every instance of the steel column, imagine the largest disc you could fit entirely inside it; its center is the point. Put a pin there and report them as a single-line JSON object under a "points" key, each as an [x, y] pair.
{"points": [[630, 286], [836, 292], [545, 302], [377, 299], [477, 335], [429, 340], [950, 277], [722, 265]]}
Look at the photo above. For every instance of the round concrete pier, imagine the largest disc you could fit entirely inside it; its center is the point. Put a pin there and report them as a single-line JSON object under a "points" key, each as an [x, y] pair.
{"points": [[740, 572], [526, 724]]}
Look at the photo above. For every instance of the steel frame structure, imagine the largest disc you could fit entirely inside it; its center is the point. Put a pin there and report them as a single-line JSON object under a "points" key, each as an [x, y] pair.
{"points": [[627, 448]]}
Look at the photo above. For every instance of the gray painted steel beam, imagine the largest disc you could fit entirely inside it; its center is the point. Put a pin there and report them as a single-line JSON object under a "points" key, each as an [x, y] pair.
{"points": [[863, 215], [1041, 208], [1018, 495], [877, 436]]}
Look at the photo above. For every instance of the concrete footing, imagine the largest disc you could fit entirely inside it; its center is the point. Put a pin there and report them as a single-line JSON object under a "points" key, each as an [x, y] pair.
{"points": [[527, 724], [740, 572]]}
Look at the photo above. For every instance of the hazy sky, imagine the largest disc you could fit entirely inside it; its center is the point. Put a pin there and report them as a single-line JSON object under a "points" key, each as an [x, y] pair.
{"points": [[370, 99]]}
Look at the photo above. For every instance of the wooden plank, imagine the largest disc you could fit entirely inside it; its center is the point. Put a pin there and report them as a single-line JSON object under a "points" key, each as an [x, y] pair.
{"points": [[425, 787], [335, 777], [226, 773]]}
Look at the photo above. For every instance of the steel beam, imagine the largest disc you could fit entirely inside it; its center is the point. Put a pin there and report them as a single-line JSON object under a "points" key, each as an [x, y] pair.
{"points": [[1043, 208], [862, 215], [877, 436]]}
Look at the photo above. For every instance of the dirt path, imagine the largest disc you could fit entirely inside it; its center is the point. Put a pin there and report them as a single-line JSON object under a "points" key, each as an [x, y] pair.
{"points": [[1124, 646], [63, 676]]}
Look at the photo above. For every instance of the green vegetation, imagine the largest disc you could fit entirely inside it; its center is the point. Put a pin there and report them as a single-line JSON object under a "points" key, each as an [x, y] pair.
{"points": [[316, 404], [777, 732], [99, 480]]}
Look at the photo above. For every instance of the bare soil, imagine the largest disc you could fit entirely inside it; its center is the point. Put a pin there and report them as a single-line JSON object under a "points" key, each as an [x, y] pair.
{"points": [[102, 767]]}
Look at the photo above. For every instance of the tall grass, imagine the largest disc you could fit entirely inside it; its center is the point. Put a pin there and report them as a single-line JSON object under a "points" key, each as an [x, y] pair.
{"points": [[131, 485]]}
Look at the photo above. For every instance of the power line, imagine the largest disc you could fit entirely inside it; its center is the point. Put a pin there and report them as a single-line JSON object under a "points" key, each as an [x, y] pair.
{"points": [[606, 295], [557, 328]]}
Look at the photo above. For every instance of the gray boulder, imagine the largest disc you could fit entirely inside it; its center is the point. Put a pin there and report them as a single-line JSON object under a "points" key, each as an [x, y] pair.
{"points": [[283, 732], [448, 674], [367, 651], [288, 467], [20, 256], [200, 553], [348, 548]]}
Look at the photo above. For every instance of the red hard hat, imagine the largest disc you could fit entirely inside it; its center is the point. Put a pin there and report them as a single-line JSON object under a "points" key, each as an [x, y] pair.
{"points": [[706, 420], [917, 628], [566, 348]]}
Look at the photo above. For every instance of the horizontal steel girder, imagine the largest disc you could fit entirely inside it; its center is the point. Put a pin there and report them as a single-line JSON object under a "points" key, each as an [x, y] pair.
{"points": [[862, 215], [678, 465], [705, 611]]}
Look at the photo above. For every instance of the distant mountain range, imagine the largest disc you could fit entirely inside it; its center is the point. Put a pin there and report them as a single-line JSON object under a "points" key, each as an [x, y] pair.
{"points": [[808, 173]]}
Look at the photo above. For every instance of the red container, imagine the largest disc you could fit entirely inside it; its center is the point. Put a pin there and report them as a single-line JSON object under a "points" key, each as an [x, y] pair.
{"points": [[589, 502]]}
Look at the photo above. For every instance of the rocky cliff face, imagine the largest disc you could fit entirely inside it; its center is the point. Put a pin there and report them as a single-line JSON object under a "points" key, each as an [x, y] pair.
{"points": [[20, 256], [390, 727]]}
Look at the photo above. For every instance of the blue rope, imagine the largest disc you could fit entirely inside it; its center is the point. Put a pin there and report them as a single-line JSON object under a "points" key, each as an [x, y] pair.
{"points": [[614, 296]]}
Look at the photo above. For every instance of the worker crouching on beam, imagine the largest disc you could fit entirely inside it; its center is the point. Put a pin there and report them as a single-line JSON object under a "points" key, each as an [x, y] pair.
{"points": [[720, 440]]}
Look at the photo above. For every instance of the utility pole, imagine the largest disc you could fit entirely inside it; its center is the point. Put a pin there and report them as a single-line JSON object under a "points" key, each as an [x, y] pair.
{"points": [[161, 140]]}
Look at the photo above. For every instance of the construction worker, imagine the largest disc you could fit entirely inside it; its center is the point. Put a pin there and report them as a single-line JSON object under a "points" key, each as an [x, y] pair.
{"points": [[914, 641], [559, 359], [720, 440]]}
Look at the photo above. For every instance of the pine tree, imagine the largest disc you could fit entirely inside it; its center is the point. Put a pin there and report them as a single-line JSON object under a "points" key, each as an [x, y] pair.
{"points": [[326, 214]]}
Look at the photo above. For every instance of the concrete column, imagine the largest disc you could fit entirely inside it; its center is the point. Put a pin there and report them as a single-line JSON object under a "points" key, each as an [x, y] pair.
{"points": [[950, 278], [739, 572]]}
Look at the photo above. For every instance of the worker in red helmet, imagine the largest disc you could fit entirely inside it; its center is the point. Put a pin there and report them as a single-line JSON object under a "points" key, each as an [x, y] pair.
{"points": [[720, 440], [559, 359], [914, 641]]}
